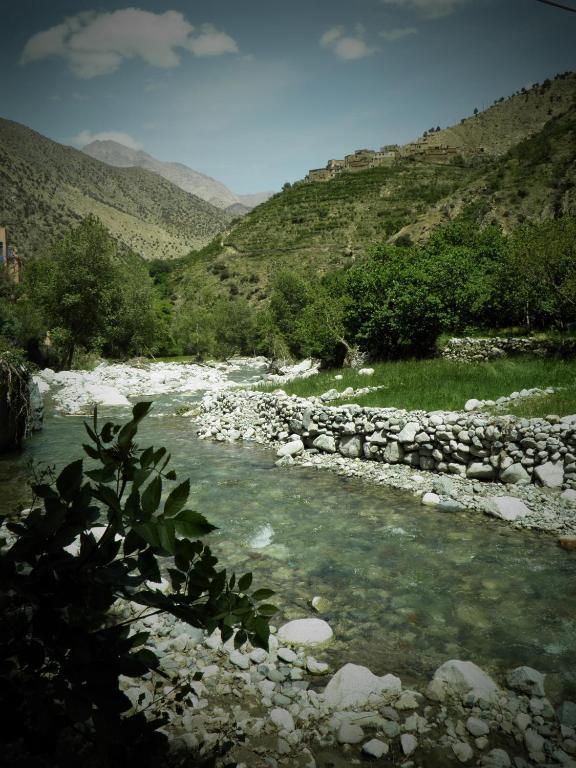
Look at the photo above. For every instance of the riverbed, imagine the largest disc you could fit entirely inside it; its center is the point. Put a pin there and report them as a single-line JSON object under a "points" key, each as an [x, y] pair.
{"points": [[405, 588]]}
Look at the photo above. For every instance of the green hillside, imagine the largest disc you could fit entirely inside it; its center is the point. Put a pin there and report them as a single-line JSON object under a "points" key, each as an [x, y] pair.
{"points": [[45, 187], [526, 169]]}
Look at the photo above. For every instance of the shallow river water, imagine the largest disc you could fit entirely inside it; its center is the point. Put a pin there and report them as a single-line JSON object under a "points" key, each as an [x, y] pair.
{"points": [[407, 588]]}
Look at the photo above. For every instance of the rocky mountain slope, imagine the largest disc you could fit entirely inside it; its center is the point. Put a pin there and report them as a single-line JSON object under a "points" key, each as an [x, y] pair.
{"points": [[523, 167], [45, 187], [205, 187]]}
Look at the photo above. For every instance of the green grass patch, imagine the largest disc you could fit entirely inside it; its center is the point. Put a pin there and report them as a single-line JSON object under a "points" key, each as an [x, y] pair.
{"points": [[437, 384], [561, 403]]}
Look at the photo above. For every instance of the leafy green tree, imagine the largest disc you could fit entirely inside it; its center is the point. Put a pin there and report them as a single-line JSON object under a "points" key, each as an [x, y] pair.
{"points": [[61, 653], [543, 273], [75, 285]]}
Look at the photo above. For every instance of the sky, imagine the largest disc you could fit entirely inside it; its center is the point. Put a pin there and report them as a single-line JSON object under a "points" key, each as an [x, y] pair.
{"points": [[256, 92]]}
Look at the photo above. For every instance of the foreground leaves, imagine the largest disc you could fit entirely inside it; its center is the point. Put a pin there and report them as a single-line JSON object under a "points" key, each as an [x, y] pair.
{"points": [[95, 536]]}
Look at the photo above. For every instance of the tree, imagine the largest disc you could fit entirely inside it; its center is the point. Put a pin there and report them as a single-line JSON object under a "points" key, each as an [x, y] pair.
{"points": [[76, 286], [543, 266], [61, 654]]}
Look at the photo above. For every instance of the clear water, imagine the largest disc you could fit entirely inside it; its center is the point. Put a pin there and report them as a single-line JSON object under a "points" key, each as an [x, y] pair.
{"points": [[407, 588]]}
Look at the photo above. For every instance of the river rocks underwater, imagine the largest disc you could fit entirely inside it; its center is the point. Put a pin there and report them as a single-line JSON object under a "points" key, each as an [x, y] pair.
{"points": [[404, 589]]}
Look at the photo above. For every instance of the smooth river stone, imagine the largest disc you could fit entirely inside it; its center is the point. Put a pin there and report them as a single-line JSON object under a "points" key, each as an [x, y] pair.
{"points": [[306, 632]]}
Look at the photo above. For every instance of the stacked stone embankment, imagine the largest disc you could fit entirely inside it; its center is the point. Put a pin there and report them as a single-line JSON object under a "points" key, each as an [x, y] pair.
{"points": [[471, 350], [472, 445]]}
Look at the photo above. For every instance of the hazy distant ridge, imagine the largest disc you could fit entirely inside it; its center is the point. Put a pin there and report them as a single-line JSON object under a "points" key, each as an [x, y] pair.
{"points": [[194, 182]]}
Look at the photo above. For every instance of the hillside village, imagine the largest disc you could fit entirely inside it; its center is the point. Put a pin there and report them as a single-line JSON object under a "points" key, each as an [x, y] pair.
{"points": [[488, 133]]}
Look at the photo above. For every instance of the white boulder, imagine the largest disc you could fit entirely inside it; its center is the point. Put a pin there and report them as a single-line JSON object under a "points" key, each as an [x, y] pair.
{"points": [[282, 719], [293, 448], [306, 632], [463, 677], [506, 508], [550, 475], [353, 685]]}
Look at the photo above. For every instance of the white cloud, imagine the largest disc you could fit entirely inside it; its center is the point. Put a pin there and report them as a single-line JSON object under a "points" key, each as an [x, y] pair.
{"points": [[432, 9], [392, 35], [331, 35], [87, 137], [211, 42], [346, 47], [95, 44]]}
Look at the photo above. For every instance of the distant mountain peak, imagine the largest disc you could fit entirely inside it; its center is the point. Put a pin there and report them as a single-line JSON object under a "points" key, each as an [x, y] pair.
{"points": [[194, 182]]}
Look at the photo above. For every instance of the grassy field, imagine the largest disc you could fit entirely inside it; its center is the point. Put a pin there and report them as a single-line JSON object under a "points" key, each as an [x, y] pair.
{"points": [[444, 385]]}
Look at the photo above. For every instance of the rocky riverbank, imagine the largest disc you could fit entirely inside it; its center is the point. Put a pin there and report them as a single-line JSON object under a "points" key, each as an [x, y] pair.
{"points": [[467, 450], [285, 707], [76, 392]]}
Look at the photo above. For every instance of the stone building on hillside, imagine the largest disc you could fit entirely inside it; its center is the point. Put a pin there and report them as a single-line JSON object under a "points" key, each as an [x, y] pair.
{"points": [[9, 258]]}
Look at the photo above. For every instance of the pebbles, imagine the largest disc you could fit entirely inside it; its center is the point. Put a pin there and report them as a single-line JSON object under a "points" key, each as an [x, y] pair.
{"points": [[270, 717]]}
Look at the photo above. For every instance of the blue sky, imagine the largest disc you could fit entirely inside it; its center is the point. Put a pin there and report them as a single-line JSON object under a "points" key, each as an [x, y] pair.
{"points": [[256, 92]]}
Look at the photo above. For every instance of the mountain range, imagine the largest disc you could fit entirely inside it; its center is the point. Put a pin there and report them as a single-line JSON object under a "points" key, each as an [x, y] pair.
{"points": [[513, 162], [194, 182], [45, 187]]}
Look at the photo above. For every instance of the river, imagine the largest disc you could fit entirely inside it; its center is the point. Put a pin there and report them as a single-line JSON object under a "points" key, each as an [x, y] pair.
{"points": [[406, 588]]}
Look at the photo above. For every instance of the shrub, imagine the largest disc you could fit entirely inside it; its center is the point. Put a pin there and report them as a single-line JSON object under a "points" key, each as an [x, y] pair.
{"points": [[61, 657]]}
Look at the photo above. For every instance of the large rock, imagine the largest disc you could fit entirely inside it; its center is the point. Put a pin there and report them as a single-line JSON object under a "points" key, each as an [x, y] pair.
{"points": [[567, 714], [472, 404], [305, 632], [479, 471], [409, 432], [351, 446], [515, 474], [526, 680], [325, 443], [282, 719], [353, 685], [393, 453], [496, 758], [550, 475], [293, 448], [464, 677], [506, 508]]}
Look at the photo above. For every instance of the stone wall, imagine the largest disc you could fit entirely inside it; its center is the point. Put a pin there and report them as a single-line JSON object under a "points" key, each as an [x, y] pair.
{"points": [[473, 445], [477, 350]]}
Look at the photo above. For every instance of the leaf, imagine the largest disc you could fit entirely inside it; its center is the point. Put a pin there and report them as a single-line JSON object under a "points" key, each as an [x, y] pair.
{"points": [[227, 633], [92, 452], [91, 433], [148, 566], [192, 524], [177, 499], [140, 410], [149, 532], [138, 639], [44, 491], [267, 609], [240, 638], [147, 657], [244, 582], [262, 594], [147, 457], [108, 496], [132, 542], [152, 495], [167, 534], [69, 480], [126, 435]]}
